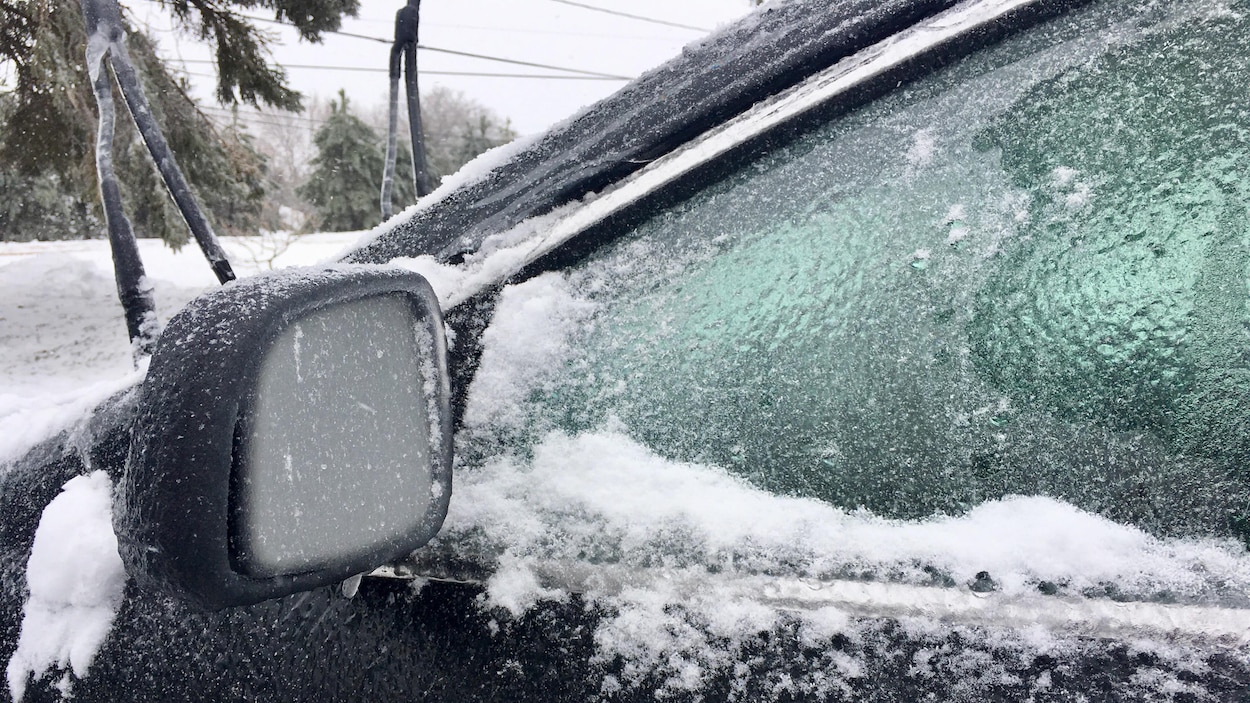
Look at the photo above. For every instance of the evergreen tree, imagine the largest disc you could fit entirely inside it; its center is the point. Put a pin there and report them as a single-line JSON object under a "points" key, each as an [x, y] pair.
{"points": [[346, 179], [457, 129], [36, 207], [345, 184], [47, 124]]}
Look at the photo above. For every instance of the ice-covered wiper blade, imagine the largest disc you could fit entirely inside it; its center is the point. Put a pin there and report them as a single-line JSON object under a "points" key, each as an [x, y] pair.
{"points": [[106, 43]]}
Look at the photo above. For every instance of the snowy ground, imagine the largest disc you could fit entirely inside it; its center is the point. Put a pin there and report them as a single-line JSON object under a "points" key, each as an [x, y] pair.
{"points": [[62, 334]]}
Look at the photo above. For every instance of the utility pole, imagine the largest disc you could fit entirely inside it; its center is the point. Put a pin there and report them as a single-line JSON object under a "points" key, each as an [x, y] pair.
{"points": [[106, 49], [407, 21]]}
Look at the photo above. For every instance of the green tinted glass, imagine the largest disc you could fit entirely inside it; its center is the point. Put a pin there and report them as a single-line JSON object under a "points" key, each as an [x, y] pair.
{"points": [[1026, 274]]}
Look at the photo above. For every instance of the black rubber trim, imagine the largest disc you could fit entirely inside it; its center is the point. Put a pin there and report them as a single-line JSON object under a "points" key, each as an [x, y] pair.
{"points": [[711, 82]]}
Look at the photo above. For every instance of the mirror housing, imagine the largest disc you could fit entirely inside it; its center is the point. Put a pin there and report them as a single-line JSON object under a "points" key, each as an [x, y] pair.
{"points": [[294, 430]]}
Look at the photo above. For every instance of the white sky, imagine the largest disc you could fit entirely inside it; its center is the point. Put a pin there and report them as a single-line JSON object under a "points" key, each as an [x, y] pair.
{"points": [[540, 31]]}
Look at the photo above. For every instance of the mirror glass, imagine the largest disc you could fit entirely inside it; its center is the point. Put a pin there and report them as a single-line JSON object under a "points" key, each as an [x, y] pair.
{"points": [[332, 457]]}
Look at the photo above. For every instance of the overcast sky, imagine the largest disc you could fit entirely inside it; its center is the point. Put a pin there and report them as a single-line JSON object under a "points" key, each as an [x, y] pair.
{"points": [[537, 31]]}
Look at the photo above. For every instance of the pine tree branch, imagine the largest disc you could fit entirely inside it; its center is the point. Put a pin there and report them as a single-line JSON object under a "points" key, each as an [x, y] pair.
{"points": [[244, 74], [16, 27], [241, 50]]}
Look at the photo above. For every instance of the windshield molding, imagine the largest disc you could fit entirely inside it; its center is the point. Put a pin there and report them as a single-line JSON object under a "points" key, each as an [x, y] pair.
{"points": [[495, 265], [1089, 616]]}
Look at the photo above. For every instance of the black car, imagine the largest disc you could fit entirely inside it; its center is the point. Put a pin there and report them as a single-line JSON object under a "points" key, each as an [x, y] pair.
{"points": [[867, 351]]}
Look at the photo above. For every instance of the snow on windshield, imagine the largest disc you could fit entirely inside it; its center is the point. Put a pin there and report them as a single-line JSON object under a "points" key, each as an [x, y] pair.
{"points": [[649, 430]]}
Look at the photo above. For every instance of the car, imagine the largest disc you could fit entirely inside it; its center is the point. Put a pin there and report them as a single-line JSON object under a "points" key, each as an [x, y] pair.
{"points": [[866, 351]]}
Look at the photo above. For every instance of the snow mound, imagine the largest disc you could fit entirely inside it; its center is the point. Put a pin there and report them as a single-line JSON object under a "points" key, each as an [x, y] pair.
{"points": [[76, 582], [691, 565], [613, 501]]}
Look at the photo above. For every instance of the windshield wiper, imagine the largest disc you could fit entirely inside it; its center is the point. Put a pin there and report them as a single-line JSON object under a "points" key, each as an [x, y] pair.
{"points": [[407, 21], [106, 43]]}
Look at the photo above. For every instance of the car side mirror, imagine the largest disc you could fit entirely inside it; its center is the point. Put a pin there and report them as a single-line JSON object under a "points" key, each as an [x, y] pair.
{"points": [[294, 430]]}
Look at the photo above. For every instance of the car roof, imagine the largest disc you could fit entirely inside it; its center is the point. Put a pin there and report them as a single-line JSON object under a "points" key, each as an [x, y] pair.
{"points": [[711, 81]]}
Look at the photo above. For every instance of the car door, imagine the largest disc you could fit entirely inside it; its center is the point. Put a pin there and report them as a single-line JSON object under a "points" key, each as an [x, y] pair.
{"points": [[941, 394], [919, 380]]}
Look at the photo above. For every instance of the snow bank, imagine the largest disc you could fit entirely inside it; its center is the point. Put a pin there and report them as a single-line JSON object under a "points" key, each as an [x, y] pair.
{"points": [[63, 333], [76, 582], [27, 421], [612, 498]]}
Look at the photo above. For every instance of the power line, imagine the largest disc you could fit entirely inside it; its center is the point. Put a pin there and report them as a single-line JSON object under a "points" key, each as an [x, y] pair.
{"points": [[640, 18], [454, 52], [372, 69], [250, 119], [525, 30], [311, 124], [595, 74], [553, 32]]}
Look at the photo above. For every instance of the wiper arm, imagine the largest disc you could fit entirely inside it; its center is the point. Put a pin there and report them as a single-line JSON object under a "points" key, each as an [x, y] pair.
{"points": [[106, 43], [406, 26]]}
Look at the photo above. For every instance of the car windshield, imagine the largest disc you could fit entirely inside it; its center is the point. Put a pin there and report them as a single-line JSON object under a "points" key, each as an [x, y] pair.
{"points": [[987, 333], [1030, 281]]}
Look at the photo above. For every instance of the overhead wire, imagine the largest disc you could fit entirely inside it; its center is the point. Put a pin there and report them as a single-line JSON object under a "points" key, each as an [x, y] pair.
{"points": [[249, 117], [454, 52], [373, 69], [579, 74], [524, 30], [640, 18], [557, 32]]}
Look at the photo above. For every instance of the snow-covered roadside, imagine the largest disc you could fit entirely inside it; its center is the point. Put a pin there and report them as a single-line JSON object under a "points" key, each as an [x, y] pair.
{"points": [[62, 333], [63, 337]]}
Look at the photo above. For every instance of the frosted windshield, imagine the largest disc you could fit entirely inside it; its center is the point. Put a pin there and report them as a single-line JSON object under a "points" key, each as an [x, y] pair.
{"points": [[986, 335], [1028, 278]]}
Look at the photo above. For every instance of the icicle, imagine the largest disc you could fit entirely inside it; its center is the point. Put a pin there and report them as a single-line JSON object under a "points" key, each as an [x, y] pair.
{"points": [[351, 586], [392, 136]]}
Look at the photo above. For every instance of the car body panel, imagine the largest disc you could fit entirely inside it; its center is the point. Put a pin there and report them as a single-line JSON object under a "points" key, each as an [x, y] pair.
{"points": [[443, 639]]}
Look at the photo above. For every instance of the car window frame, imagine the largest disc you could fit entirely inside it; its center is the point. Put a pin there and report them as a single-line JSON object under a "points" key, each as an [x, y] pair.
{"points": [[568, 238], [570, 233], [863, 77]]}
